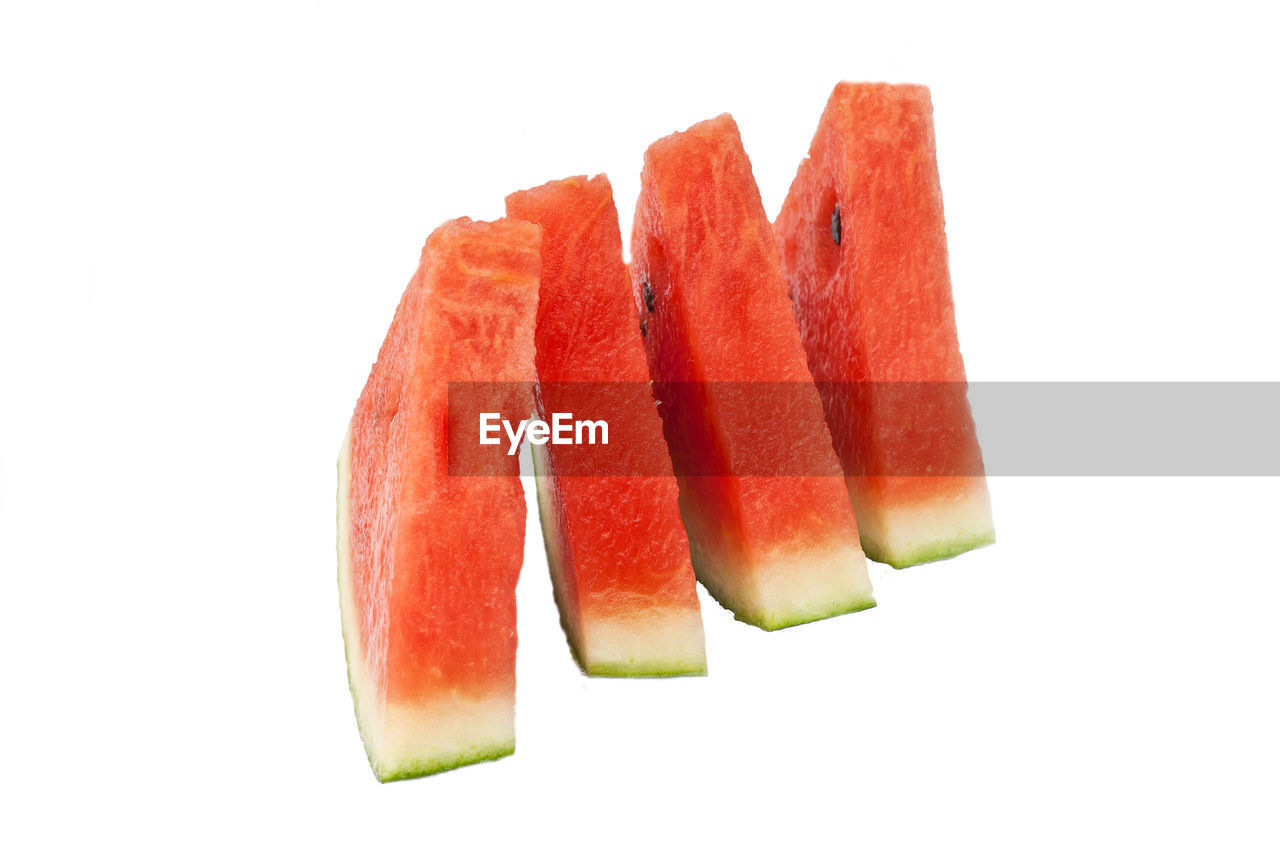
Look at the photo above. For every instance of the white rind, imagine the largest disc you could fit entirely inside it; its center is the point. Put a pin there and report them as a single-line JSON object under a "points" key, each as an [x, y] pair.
{"points": [[443, 733], [402, 739], [945, 526], [661, 641], [789, 587]]}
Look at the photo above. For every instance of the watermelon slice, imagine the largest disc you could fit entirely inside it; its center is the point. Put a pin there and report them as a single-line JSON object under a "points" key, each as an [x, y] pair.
{"points": [[862, 241], [427, 562], [780, 548], [618, 554]]}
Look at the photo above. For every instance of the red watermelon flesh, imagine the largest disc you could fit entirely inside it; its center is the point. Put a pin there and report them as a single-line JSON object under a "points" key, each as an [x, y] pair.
{"points": [[618, 553], [730, 373], [862, 240], [428, 562]]}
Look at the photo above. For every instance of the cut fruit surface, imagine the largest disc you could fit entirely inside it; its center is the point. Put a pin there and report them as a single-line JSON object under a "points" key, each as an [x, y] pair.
{"points": [[619, 557], [730, 375], [427, 561], [862, 241]]}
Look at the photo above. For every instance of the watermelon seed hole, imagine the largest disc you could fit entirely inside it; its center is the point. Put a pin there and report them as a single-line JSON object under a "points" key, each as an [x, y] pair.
{"points": [[829, 235]]}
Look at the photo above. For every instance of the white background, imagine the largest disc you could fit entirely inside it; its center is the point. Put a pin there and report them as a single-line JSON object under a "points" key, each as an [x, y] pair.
{"points": [[206, 218]]}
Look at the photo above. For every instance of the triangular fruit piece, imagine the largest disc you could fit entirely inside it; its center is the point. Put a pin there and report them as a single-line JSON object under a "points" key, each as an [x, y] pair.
{"points": [[618, 554], [862, 240], [770, 527], [428, 561]]}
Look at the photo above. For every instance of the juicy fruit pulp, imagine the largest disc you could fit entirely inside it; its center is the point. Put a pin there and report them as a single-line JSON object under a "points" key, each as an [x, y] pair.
{"points": [[428, 562], [777, 550], [618, 554], [862, 240]]}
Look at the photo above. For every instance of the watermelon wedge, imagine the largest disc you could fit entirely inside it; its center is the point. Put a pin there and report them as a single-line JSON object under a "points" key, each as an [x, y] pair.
{"points": [[862, 241], [427, 561], [618, 553], [777, 549]]}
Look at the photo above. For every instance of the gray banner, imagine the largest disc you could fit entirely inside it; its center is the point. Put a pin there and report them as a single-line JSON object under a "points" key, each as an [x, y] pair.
{"points": [[889, 429]]}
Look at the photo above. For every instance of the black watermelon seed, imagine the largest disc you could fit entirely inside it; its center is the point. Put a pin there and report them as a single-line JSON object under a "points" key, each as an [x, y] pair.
{"points": [[644, 329], [835, 224], [647, 291]]}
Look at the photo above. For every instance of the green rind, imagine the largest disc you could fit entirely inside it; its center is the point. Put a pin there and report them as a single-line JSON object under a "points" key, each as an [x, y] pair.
{"points": [[601, 669], [932, 552], [775, 624], [448, 763], [595, 669]]}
